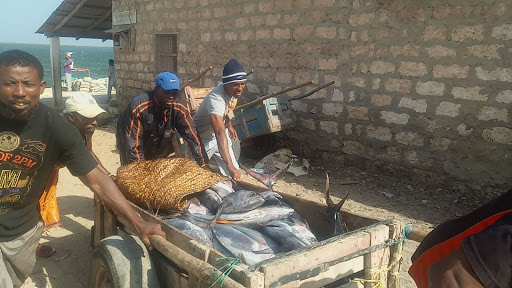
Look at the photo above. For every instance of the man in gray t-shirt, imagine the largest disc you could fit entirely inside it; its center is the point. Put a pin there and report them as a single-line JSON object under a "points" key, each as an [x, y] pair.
{"points": [[212, 121]]}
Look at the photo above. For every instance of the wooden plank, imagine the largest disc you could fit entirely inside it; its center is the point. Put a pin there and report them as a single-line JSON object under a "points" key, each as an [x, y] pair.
{"points": [[334, 273], [396, 250], [98, 221], [375, 263], [109, 222], [280, 268]]}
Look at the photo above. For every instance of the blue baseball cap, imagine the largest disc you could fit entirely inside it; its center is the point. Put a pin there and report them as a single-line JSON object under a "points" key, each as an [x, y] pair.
{"points": [[168, 81]]}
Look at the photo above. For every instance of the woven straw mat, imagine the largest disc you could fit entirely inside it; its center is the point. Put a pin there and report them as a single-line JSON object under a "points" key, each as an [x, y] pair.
{"points": [[163, 183]]}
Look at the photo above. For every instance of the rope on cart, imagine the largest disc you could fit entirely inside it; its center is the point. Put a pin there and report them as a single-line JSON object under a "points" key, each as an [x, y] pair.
{"points": [[229, 265], [378, 273]]}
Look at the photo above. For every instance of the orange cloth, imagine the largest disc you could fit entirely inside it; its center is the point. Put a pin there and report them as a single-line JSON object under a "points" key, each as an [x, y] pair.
{"points": [[48, 202]]}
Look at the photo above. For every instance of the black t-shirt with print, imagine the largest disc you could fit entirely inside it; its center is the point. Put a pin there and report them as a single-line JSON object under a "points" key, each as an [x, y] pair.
{"points": [[28, 152]]}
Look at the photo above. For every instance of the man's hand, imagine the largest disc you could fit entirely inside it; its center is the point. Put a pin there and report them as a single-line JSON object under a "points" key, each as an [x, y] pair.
{"points": [[101, 184], [235, 173], [232, 132], [147, 229]]}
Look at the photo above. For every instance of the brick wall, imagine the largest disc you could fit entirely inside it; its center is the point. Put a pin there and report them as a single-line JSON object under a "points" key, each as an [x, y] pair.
{"points": [[423, 89]]}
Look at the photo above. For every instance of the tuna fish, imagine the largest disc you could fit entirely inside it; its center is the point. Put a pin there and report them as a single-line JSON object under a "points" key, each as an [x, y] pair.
{"points": [[242, 200], [271, 198], [223, 188], [268, 179], [253, 218], [338, 226], [192, 230], [289, 234], [240, 245], [210, 199]]}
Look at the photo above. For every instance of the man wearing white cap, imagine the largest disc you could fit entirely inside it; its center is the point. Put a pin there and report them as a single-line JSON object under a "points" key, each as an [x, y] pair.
{"points": [[82, 111], [212, 119]]}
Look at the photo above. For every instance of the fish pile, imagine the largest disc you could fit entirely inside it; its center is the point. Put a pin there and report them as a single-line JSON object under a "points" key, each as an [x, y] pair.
{"points": [[252, 226]]}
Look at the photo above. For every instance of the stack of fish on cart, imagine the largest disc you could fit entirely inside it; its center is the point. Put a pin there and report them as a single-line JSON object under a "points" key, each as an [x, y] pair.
{"points": [[249, 225]]}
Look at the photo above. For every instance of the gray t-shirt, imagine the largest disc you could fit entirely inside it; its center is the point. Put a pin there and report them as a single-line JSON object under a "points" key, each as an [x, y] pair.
{"points": [[214, 103]]}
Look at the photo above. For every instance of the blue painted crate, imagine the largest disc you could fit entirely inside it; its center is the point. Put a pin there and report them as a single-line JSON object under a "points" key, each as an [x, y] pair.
{"points": [[272, 115]]}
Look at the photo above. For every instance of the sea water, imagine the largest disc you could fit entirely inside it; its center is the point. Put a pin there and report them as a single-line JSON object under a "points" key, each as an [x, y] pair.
{"points": [[94, 58]]}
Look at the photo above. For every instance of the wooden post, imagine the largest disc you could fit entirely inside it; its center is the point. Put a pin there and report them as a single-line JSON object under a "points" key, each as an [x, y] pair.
{"points": [[376, 263], [395, 260], [56, 72]]}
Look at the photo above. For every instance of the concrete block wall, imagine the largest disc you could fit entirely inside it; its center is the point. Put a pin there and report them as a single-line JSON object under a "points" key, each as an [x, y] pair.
{"points": [[423, 89]]}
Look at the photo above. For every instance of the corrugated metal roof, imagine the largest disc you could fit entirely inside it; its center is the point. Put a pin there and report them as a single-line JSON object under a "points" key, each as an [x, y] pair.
{"points": [[80, 19]]}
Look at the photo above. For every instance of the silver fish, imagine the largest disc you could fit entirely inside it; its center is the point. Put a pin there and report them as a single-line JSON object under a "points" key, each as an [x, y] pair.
{"points": [[242, 200], [260, 238], [271, 198], [269, 179], [210, 199], [338, 226], [240, 245], [289, 234], [195, 207], [223, 188], [253, 218], [192, 230]]}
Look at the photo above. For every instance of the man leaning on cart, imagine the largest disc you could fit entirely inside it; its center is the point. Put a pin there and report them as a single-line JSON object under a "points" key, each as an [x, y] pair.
{"points": [[213, 119], [33, 137], [145, 128]]}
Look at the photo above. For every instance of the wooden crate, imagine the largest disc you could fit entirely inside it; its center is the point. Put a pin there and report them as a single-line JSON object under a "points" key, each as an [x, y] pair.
{"points": [[273, 115], [365, 252]]}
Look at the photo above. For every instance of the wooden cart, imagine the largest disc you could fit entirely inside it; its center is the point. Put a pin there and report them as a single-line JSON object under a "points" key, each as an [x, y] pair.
{"points": [[370, 253]]}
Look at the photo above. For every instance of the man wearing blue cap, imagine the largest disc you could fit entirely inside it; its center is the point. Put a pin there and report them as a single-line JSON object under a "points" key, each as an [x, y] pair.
{"points": [[212, 119], [145, 128]]}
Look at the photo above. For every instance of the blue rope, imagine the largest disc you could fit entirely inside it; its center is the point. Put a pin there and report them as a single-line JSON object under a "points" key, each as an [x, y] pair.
{"points": [[229, 265], [405, 233]]}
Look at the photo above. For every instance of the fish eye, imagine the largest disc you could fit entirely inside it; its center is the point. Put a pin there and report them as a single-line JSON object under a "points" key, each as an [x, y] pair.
{"points": [[253, 194]]}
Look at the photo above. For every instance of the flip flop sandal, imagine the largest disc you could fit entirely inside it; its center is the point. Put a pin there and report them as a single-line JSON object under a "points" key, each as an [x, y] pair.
{"points": [[45, 251]]}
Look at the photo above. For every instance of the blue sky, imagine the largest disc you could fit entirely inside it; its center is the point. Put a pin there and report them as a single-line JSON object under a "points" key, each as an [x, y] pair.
{"points": [[20, 19]]}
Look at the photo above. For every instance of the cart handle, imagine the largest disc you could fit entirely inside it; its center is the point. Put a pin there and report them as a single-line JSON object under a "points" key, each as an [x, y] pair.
{"points": [[196, 78], [312, 92], [261, 99]]}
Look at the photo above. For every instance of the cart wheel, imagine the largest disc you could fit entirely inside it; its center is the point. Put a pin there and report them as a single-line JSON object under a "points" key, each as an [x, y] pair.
{"points": [[121, 262]]}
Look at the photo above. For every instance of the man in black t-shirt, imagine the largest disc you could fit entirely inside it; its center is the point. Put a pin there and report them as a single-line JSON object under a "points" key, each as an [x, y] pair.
{"points": [[33, 138]]}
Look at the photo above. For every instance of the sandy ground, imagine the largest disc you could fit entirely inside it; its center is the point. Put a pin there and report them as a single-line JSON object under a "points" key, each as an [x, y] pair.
{"points": [[376, 196]]}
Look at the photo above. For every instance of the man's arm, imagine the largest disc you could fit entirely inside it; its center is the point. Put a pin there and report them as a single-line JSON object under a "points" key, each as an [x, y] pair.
{"points": [[187, 129], [222, 142], [232, 131], [453, 271], [107, 191], [133, 135]]}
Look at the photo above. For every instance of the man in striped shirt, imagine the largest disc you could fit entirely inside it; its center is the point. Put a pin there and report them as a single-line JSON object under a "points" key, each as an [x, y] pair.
{"points": [[145, 128]]}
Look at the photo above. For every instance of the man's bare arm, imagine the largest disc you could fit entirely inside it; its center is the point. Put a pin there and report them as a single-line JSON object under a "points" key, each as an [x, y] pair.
{"points": [[107, 191], [222, 142], [453, 271]]}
